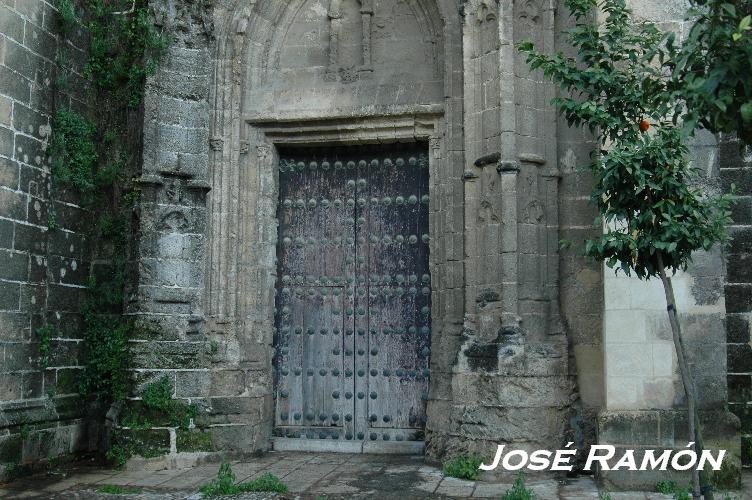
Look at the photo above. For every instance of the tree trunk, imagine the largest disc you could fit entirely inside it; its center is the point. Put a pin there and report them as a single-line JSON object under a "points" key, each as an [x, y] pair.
{"points": [[695, 432]]}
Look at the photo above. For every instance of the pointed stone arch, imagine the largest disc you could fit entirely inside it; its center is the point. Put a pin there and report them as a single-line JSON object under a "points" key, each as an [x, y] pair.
{"points": [[247, 125]]}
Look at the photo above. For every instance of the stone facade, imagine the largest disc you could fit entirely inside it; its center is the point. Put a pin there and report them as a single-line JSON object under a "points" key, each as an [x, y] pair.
{"points": [[531, 345]]}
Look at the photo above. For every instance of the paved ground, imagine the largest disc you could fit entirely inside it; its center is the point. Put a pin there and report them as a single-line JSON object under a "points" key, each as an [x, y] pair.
{"points": [[310, 476]]}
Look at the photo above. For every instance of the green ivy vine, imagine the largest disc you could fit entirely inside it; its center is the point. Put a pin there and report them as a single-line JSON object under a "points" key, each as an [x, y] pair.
{"points": [[93, 157]]}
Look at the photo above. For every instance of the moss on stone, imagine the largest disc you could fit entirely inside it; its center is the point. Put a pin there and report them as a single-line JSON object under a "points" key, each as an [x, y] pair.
{"points": [[10, 448], [194, 440], [66, 382], [146, 443], [137, 415]]}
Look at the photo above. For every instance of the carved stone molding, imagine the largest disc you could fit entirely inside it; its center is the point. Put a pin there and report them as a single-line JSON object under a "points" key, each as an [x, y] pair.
{"points": [[481, 11], [530, 12], [263, 151]]}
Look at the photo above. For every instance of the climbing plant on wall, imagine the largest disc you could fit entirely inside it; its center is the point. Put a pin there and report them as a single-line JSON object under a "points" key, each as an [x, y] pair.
{"points": [[621, 86], [95, 157]]}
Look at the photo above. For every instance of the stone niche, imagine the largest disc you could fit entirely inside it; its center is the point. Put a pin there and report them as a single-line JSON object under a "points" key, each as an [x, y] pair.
{"points": [[346, 57]]}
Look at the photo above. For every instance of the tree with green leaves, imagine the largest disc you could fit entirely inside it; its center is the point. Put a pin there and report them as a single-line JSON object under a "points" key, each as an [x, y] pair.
{"points": [[621, 86], [711, 70]]}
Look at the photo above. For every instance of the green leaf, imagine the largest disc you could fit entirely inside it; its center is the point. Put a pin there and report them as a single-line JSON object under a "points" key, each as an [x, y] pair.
{"points": [[745, 23], [729, 8], [746, 112]]}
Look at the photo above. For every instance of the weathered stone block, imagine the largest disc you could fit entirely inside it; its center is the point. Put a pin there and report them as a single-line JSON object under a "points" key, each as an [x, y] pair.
{"points": [[740, 388], [66, 298], [227, 382], [186, 61], [65, 353], [30, 122], [146, 443], [741, 240], [194, 440], [6, 234], [739, 268], [183, 140], [190, 114], [741, 178], [171, 272], [640, 428], [6, 141], [235, 405], [738, 298], [19, 355], [739, 358], [189, 88], [167, 299], [11, 386], [741, 211], [8, 172], [14, 85], [15, 326], [243, 438], [667, 429], [39, 41], [14, 266], [45, 444], [516, 392], [10, 448], [193, 384], [738, 328], [61, 243], [11, 24], [165, 355]]}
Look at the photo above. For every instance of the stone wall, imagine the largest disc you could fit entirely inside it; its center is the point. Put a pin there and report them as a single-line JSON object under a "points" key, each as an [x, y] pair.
{"points": [[511, 379], [736, 168], [42, 272], [580, 279], [166, 297], [641, 367], [644, 403]]}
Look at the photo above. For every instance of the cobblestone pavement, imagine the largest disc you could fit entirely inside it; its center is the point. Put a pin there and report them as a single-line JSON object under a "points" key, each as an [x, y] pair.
{"points": [[310, 476]]}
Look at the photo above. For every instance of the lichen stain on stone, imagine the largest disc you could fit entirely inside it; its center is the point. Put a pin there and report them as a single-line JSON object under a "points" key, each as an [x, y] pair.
{"points": [[487, 296], [588, 278], [484, 356], [706, 290]]}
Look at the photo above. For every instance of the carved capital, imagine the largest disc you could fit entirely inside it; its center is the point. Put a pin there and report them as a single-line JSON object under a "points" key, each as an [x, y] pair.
{"points": [[334, 9], [263, 151], [482, 10], [530, 13]]}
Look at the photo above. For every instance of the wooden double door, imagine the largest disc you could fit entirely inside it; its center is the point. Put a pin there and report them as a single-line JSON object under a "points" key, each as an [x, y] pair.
{"points": [[353, 298]]}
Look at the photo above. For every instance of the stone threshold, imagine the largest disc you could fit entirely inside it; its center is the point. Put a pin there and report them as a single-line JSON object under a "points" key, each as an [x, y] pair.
{"points": [[335, 446]]}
